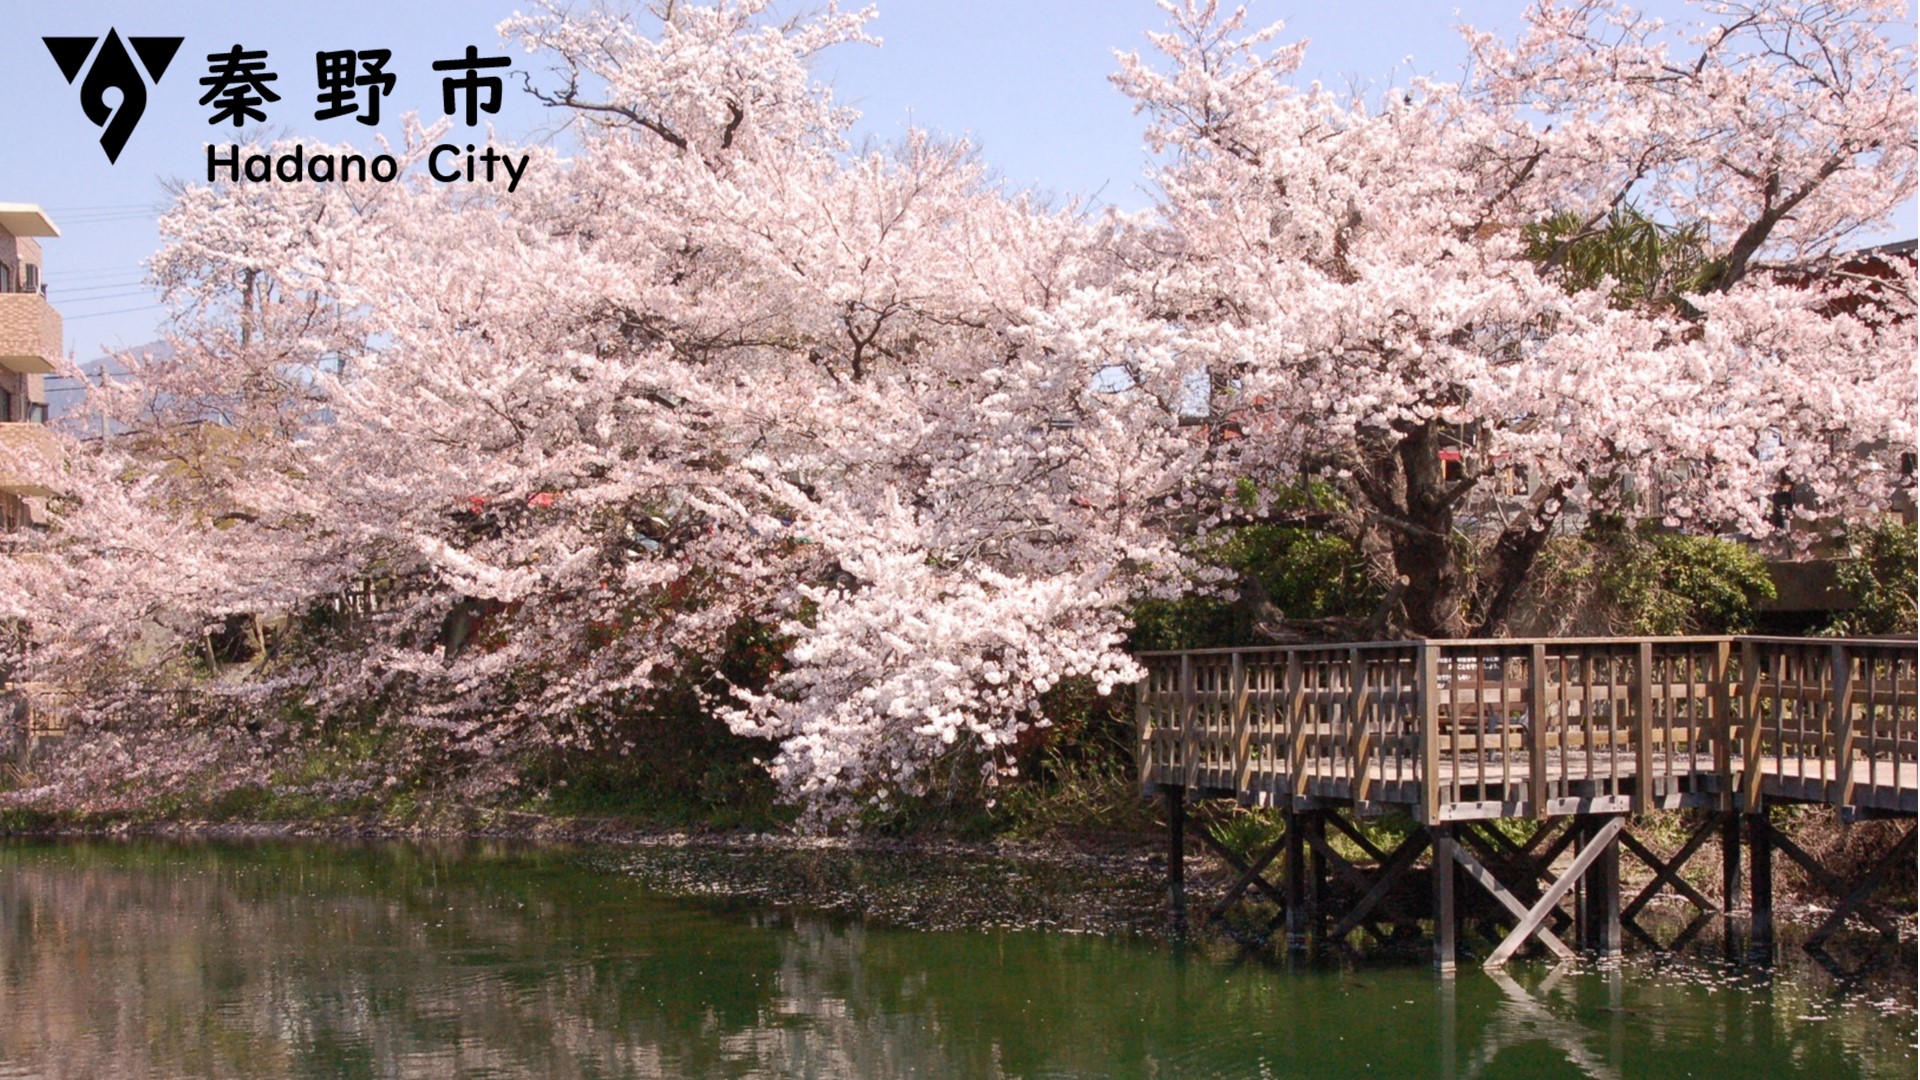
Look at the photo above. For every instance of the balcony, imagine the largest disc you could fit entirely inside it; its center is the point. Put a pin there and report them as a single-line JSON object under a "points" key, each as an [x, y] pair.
{"points": [[29, 334], [32, 460]]}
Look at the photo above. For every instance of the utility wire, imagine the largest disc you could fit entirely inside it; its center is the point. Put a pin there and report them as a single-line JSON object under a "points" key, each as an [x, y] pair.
{"points": [[121, 311]]}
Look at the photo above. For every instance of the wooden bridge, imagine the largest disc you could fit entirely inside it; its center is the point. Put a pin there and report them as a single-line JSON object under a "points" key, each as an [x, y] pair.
{"points": [[1458, 733]]}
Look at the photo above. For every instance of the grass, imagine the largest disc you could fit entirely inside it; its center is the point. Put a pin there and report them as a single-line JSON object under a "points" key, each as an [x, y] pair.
{"points": [[1248, 833]]}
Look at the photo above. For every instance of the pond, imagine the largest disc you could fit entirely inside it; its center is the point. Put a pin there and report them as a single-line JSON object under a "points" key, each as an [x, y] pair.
{"points": [[146, 959]]}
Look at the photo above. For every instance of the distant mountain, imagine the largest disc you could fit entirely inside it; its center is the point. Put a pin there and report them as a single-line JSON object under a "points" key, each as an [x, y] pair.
{"points": [[65, 394]]}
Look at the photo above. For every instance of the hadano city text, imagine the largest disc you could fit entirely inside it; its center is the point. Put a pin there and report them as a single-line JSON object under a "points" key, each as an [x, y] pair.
{"points": [[448, 163]]}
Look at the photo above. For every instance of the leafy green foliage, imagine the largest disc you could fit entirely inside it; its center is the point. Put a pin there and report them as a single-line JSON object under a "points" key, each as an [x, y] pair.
{"points": [[1248, 833], [1303, 572], [1667, 583], [1191, 622], [1643, 261], [668, 758], [1878, 573]]}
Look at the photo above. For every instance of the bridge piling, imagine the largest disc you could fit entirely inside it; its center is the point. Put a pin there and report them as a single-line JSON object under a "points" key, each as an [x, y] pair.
{"points": [[1443, 914], [1730, 898], [1296, 914], [1760, 882], [1176, 797], [1600, 889]]}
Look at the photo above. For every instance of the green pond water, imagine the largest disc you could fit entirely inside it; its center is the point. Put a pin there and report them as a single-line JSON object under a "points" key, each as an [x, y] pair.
{"points": [[295, 960]]}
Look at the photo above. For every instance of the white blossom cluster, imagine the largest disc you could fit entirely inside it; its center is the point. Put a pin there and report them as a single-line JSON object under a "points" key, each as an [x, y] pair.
{"points": [[719, 372]]}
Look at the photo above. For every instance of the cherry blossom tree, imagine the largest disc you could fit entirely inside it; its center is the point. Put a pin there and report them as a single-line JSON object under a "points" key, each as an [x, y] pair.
{"points": [[716, 369], [1382, 285], [484, 469]]}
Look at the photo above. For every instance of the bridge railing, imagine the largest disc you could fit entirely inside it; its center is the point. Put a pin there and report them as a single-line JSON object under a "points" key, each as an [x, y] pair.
{"points": [[1498, 728]]}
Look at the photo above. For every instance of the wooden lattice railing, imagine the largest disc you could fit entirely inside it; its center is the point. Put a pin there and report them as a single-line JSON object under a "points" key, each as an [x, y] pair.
{"points": [[1501, 728]]}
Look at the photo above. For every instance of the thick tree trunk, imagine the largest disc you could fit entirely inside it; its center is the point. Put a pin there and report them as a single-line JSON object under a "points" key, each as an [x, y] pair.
{"points": [[1406, 485], [1513, 557], [1411, 501], [1424, 547], [1431, 597]]}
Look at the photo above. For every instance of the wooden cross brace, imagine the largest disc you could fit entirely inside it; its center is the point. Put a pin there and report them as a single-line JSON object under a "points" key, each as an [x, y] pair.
{"points": [[1252, 875], [1854, 900], [1373, 891], [1392, 868], [1667, 873], [1528, 857], [1498, 852], [1532, 921]]}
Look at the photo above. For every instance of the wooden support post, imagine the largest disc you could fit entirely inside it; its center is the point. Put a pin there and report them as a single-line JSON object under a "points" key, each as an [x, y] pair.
{"points": [[1752, 727], [1536, 733], [1443, 946], [1729, 862], [1242, 731], [1643, 790], [1177, 854], [1296, 726], [1426, 658], [1601, 891], [1317, 876], [1296, 883], [1359, 737], [1189, 724], [1720, 714], [1143, 731], [1840, 676], [1760, 878]]}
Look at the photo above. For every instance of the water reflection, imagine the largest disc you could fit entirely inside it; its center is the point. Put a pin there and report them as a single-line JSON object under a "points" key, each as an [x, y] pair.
{"points": [[148, 960], [1524, 1017]]}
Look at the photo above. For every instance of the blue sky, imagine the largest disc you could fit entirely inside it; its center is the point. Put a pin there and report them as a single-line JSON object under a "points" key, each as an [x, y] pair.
{"points": [[1025, 79]]}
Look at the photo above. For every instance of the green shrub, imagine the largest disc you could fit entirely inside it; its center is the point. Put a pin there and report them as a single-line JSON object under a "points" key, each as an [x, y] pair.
{"points": [[1647, 582], [1667, 583], [1294, 571], [1878, 573]]}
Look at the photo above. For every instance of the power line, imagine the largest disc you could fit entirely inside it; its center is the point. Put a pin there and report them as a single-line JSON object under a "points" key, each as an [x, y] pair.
{"points": [[124, 295], [121, 311], [88, 291], [92, 281], [102, 277], [100, 286], [100, 206], [107, 219]]}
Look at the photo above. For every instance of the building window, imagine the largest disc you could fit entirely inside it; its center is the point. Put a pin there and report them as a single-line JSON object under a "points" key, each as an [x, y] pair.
{"points": [[6, 278], [6, 404], [37, 411], [32, 274]]}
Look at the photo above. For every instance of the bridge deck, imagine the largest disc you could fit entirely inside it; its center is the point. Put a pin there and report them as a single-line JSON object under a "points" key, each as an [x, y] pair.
{"points": [[1456, 730]]}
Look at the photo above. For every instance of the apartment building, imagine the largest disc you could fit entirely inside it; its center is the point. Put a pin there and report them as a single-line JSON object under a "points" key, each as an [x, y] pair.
{"points": [[30, 343]]}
